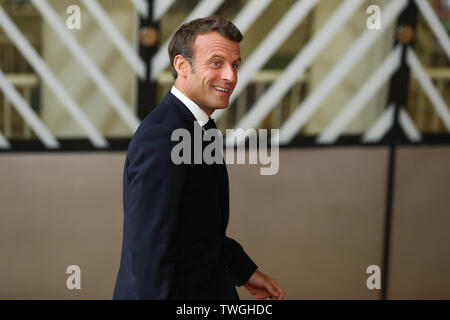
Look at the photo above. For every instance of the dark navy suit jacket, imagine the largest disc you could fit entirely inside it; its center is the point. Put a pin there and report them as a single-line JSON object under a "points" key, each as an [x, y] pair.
{"points": [[175, 218]]}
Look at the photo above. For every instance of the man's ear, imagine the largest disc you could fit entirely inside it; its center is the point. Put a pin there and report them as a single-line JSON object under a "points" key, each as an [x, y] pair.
{"points": [[181, 65]]}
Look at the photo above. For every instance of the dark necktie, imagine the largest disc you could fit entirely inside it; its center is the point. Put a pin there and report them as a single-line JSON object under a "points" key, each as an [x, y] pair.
{"points": [[210, 124], [220, 171]]}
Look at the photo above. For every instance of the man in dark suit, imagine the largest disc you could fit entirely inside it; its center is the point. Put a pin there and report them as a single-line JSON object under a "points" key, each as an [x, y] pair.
{"points": [[175, 215]]}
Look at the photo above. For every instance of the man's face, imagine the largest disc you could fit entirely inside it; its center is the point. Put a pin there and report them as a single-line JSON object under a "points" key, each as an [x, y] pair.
{"points": [[214, 74]]}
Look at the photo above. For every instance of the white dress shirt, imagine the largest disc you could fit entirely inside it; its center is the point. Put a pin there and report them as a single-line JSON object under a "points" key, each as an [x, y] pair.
{"points": [[200, 115]]}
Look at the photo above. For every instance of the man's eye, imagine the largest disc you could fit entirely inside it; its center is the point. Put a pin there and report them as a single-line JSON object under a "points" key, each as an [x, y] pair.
{"points": [[216, 63], [235, 66]]}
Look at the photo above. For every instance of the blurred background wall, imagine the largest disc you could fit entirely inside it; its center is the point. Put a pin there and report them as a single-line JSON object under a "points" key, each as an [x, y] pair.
{"points": [[74, 78], [315, 226]]}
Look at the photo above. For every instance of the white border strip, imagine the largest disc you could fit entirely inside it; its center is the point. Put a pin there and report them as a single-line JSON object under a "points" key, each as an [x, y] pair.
{"points": [[4, 144], [307, 108], [133, 59], [434, 96], [160, 7], [27, 113], [359, 101], [267, 48], [298, 65], [435, 25], [89, 66], [141, 7], [161, 60], [54, 85]]}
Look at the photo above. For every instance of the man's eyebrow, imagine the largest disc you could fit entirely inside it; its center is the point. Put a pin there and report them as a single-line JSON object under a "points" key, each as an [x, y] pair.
{"points": [[217, 56], [223, 58]]}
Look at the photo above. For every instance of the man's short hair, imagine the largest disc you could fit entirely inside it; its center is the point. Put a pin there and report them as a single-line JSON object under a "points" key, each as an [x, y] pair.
{"points": [[182, 42]]}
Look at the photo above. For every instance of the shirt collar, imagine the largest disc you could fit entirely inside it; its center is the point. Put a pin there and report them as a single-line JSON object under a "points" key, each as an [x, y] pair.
{"points": [[200, 115]]}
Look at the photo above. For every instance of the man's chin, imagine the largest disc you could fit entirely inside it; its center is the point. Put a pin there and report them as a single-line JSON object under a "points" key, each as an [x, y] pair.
{"points": [[222, 107], [224, 103]]}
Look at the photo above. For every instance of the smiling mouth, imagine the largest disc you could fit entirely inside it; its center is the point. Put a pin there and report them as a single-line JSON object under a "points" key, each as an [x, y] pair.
{"points": [[222, 89]]}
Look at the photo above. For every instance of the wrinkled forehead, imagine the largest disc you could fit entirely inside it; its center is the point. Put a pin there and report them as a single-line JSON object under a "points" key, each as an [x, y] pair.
{"points": [[214, 44]]}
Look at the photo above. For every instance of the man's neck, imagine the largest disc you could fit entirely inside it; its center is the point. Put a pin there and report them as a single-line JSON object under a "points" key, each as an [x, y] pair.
{"points": [[200, 115], [185, 92]]}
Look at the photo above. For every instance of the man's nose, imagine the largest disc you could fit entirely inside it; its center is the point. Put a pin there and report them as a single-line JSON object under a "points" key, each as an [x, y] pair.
{"points": [[229, 74]]}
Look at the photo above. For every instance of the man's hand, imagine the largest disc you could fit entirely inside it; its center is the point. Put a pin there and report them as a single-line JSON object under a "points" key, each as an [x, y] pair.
{"points": [[262, 287]]}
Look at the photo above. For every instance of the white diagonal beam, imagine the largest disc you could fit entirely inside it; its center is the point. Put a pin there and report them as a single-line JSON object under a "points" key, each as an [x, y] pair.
{"points": [[435, 25], [252, 10], [27, 113], [307, 108], [141, 7], [379, 128], [50, 79], [160, 7], [408, 126], [359, 101], [160, 61], [130, 55], [89, 66], [266, 49], [4, 144], [436, 100], [261, 55], [268, 101], [382, 125]]}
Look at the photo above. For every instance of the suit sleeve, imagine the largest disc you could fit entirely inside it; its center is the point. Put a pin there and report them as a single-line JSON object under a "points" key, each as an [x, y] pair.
{"points": [[237, 263], [155, 188]]}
